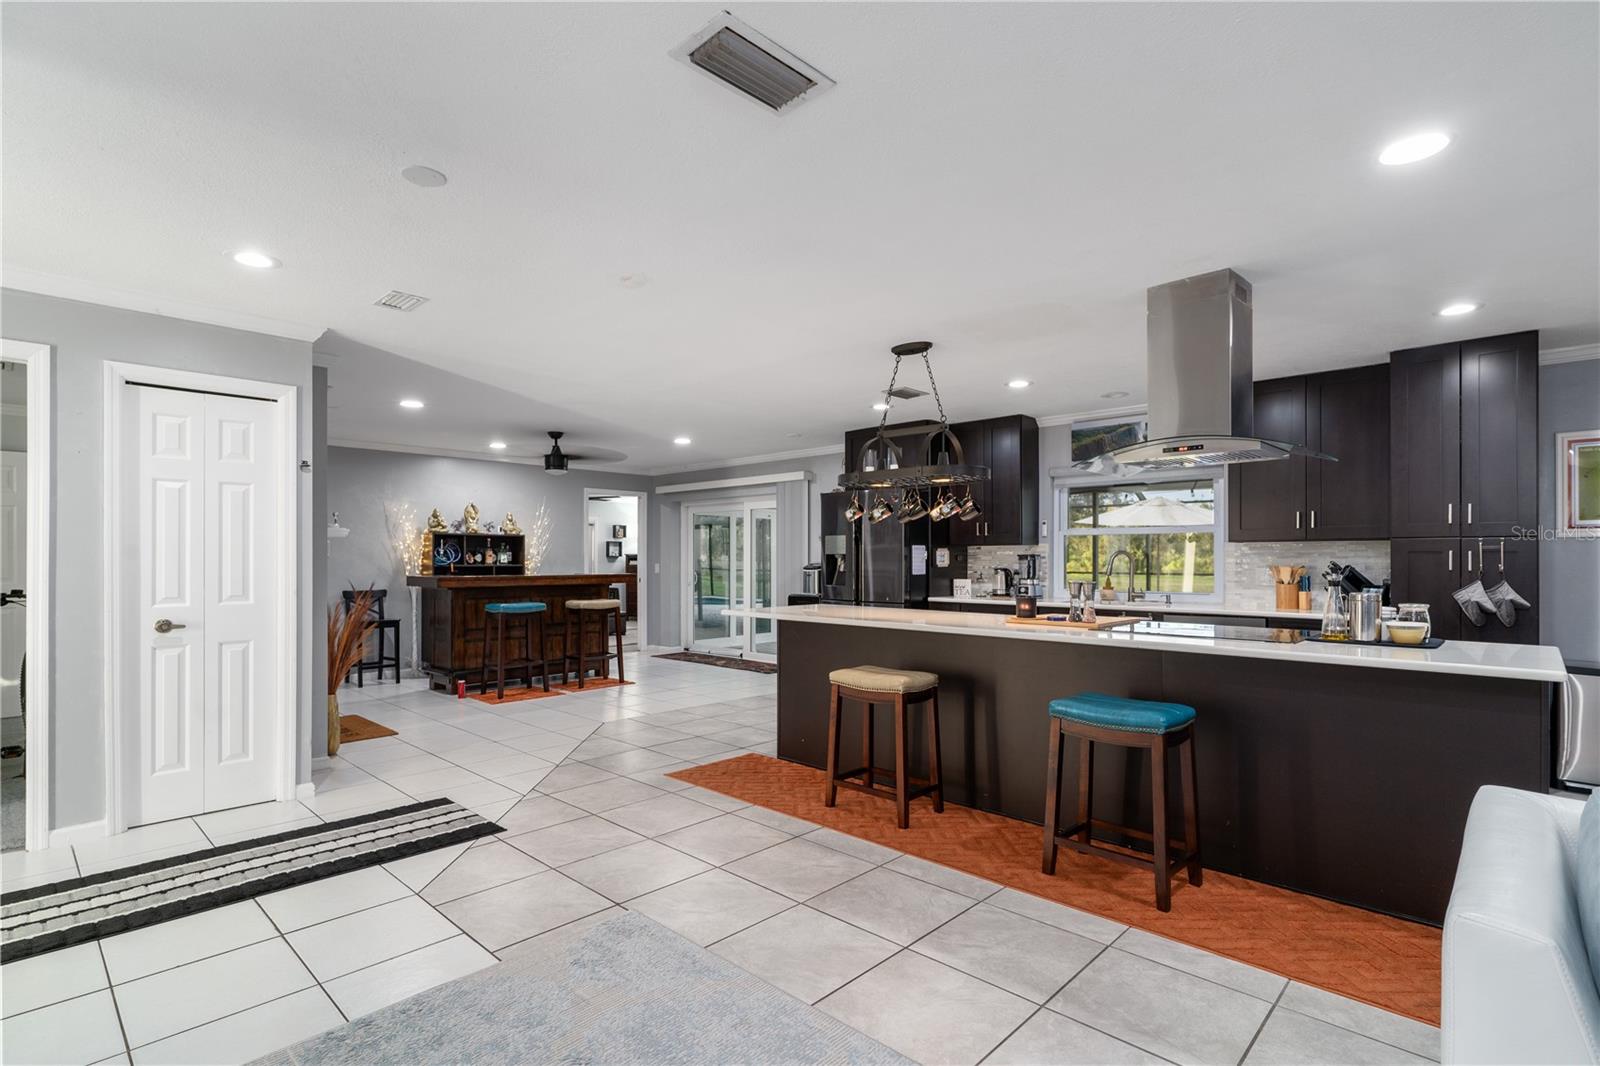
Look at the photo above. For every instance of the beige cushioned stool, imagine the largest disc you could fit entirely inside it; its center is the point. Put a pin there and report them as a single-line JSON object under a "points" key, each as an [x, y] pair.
{"points": [[575, 651], [881, 679], [869, 685], [593, 605]]}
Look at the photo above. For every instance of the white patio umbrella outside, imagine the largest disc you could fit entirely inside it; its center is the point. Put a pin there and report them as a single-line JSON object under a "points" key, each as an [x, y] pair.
{"points": [[1159, 511]]}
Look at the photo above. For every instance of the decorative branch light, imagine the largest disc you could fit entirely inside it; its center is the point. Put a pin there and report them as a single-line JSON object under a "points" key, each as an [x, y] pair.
{"points": [[940, 462], [538, 540]]}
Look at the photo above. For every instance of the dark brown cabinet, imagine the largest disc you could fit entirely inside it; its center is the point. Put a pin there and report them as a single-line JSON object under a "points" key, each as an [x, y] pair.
{"points": [[1009, 447], [1430, 569], [1266, 501], [1344, 413], [1464, 421], [1499, 435]]}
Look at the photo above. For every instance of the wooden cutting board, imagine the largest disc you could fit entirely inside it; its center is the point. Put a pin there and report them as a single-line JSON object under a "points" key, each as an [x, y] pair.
{"points": [[1102, 622]]}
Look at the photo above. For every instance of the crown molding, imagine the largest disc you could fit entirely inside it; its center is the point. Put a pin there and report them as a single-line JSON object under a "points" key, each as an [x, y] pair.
{"points": [[1574, 354], [748, 460], [1096, 416], [89, 292]]}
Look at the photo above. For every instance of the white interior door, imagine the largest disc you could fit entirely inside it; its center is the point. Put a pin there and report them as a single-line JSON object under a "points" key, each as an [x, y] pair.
{"points": [[13, 575], [202, 546]]}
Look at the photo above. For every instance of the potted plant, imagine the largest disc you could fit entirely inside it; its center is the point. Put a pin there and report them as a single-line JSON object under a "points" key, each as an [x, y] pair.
{"points": [[347, 644]]}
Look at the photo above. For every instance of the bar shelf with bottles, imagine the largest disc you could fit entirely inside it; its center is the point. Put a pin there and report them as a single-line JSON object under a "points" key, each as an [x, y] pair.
{"points": [[465, 554]]}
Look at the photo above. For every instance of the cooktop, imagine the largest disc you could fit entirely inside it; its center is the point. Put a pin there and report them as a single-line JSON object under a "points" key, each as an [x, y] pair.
{"points": [[1203, 631]]}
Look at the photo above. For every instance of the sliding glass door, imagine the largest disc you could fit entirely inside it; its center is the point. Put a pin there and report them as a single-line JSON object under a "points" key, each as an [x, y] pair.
{"points": [[728, 559]]}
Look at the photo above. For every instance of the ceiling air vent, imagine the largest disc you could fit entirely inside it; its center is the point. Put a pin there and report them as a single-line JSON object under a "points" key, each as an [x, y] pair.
{"points": [[738, 56], [395, 300]]}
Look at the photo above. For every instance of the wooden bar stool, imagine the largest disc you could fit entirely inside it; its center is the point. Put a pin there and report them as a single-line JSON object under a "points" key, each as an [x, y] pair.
{"points": [[387, 630], [532, 614], [606, 613], [870, 685], [1094, 717]]}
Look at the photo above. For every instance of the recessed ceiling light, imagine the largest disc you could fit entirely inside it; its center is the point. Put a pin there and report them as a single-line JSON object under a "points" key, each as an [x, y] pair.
{"points": [[1018, 383], [498, 445], [880, 406], [1461, 307], [426, 177], [1413, 149], [1115, 395], [255, 260], [412, 405], [681, 440]]}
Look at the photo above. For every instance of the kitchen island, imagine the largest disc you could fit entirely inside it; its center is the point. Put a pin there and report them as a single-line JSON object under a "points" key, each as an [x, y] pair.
{"points": [[454, 628], [1341, 770]]}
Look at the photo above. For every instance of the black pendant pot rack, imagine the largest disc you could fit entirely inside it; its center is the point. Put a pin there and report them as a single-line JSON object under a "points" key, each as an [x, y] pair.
{"points": [[880, 462]]}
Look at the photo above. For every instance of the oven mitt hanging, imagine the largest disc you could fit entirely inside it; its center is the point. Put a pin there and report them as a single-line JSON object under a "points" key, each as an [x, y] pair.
{"points": [[1507, 603], [1475, 603]]}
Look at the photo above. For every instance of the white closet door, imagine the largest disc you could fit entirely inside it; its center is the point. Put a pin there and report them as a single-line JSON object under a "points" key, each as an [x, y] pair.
{"points": [[241, 601], [13, 575], [203, 544], [166, 550]]}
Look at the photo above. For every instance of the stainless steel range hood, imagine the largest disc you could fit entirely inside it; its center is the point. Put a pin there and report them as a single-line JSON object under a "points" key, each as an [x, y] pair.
{"points": [[1202, 407]]}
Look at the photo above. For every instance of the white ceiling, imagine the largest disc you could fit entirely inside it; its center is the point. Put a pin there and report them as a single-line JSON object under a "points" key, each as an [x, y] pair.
{"points": [[1005, 180]]}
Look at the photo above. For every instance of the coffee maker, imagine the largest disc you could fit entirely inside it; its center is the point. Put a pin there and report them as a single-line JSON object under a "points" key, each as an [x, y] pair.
{"points": [[1029, 586]]}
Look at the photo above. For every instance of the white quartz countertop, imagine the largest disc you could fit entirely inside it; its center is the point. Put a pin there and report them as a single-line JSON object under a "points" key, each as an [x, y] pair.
{"points": [[1151, 607], [1516, 661]]}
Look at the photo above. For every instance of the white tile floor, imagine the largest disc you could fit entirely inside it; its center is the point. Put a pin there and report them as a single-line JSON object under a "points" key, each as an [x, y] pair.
{"points": [[943, 967]]}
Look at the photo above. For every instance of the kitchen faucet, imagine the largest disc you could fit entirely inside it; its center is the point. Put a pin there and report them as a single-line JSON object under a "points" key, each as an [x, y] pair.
{"points": [[1130, 596]]}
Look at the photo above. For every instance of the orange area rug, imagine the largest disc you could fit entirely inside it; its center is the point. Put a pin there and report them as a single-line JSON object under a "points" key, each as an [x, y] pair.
{"points": [[1388, 962], [353, 727]]}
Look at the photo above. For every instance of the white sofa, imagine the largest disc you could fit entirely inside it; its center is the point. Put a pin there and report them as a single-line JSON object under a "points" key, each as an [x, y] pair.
{"points": [[1517, 980]]}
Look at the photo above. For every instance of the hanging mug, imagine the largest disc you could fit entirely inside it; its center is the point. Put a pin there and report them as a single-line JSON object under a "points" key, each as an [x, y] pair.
{"points": [[854, 512]]}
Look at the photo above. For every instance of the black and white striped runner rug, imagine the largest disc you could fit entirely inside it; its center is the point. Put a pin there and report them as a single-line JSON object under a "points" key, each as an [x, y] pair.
{"points": [[58, 915]]}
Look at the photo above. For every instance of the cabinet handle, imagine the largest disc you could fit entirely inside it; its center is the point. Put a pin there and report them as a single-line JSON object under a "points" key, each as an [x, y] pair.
{"points": [[1313, 518], [1449, 514], [1502, 555], [1469, 561], [1450, 560], [1297, 520], [1469, 512]]}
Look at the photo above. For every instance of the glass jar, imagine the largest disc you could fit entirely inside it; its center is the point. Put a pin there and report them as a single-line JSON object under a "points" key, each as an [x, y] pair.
{"points": [[1335, 614], [1416, 612]]}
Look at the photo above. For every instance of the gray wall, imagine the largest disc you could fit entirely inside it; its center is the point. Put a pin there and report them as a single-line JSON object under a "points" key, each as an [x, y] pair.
{"points": [[85, 337], [799, 526], [1569, 569], [319, 555], [366, 486], [14, 393]]}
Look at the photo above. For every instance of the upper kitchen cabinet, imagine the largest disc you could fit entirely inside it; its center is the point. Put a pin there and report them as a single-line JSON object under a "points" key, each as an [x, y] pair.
{"points": [[1266, 500], [1347, 417], [1499, 435], [1009, 447], [1345, 414], [1464, 437]]}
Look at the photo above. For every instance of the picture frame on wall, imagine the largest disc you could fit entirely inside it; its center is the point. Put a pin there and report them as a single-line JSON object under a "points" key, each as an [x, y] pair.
{"points": [[1578, 484], [613, 549], [619, 532]]}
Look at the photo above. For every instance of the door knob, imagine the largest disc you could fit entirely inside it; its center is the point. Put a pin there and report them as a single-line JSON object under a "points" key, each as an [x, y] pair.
{"points": [[167, 625]]}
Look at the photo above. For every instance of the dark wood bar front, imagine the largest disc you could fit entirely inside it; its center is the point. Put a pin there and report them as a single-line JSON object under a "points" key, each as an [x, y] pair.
{"points": [[454, 627]]}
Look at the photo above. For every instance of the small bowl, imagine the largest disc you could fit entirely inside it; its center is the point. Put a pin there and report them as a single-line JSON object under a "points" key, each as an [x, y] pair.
{"points": [[1408, 632]]}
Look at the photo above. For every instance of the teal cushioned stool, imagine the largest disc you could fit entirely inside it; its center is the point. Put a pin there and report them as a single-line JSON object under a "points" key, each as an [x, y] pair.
{"points": [[1094, 717], [532, 614]]}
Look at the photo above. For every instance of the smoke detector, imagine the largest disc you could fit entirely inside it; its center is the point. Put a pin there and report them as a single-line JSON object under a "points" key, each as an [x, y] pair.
{"points": [[743, 59], [395, 300]]}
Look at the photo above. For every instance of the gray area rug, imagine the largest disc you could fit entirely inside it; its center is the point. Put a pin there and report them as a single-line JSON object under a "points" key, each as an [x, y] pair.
{"points": [[619, 990]]}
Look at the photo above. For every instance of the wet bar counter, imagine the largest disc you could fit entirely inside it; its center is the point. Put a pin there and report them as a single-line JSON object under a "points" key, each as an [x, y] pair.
{"points": [[1341, 771], [454, 627]]}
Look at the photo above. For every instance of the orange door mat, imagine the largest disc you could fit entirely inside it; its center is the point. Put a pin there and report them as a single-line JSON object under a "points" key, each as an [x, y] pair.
{"points": [[353, 727], [593, 683], [1388, 962], [515, 695]]}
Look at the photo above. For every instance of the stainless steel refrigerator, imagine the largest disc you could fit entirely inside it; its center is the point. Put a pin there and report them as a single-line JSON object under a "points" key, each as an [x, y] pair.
{"points": [[889, 559]]}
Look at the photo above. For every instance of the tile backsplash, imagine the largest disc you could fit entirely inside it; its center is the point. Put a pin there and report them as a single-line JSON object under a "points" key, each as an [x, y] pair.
{"points": [[1247, 582], [1250, 585]]}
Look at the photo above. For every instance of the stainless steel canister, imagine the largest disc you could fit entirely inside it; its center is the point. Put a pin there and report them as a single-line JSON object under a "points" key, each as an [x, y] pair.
{"points": [[1366, 614]]}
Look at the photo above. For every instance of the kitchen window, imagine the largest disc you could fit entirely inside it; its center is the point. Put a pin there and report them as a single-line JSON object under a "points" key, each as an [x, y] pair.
{"points": [[1172, 529]]}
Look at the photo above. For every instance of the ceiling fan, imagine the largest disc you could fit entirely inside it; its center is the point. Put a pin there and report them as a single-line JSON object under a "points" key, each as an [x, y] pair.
{"points": [[556, 460]]}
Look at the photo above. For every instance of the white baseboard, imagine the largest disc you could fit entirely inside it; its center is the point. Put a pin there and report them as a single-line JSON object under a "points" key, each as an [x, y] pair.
{"points": [[78, 834], [305, 790]]}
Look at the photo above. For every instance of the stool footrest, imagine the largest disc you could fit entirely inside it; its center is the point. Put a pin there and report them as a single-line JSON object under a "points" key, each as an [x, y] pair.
{"points": [[1144, 862]]}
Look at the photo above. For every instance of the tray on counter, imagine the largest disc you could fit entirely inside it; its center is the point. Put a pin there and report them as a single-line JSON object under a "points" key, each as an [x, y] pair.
{"points": [[1102, 622], [1431, 642]]}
